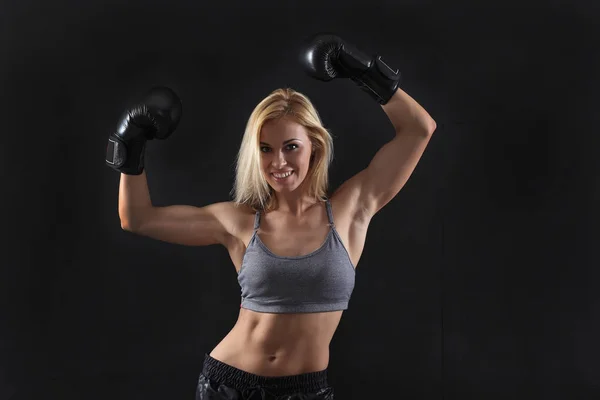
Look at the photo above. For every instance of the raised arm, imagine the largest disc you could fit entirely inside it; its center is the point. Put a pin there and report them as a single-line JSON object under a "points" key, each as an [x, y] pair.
{"points": [[327, 57], [156, 116], [178, 224]]}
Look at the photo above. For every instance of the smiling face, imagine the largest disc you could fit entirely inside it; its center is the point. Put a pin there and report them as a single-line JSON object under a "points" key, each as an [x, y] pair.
{"points": [[285, 153]]}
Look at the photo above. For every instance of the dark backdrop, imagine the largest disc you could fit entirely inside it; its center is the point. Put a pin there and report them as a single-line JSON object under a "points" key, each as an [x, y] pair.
{"points": [[478, 281]]}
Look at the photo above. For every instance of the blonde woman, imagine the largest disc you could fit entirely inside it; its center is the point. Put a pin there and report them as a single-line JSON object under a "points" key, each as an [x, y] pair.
{"points": [[295, 248]]}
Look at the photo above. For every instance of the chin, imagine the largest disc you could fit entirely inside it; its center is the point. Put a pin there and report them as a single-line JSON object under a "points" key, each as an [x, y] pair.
{"points": [[282, 188], [278, 187]]}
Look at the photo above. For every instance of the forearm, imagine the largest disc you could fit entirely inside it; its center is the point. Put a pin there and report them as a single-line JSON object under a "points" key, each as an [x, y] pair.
{"points": [[406, 114], [134, 199]]}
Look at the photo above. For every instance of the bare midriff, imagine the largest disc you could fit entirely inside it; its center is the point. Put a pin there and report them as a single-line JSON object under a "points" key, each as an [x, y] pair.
{"points": [[278, 344]]}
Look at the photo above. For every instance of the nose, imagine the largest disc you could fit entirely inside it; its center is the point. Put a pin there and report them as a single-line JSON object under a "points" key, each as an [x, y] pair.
{"points": [[279, 160]]}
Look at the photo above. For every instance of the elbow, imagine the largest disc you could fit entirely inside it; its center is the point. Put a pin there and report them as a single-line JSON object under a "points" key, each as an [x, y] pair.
{"points": [[431, 126], [422, 127], [133, 221], [128, 225]]}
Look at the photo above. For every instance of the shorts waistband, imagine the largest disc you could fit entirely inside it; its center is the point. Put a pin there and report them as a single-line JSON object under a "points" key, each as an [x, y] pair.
{"points": [[242, 380]]}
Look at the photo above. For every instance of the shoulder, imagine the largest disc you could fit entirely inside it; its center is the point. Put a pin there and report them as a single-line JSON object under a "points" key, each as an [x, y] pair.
{"points": [[237, 218]]}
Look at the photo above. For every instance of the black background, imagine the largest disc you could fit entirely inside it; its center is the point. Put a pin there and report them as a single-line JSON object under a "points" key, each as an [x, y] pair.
{"points": [[478, 281]]}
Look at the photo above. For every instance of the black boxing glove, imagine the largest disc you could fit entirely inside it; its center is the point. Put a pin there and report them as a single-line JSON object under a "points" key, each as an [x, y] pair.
{"points": [[326, 57], [156, 116]]}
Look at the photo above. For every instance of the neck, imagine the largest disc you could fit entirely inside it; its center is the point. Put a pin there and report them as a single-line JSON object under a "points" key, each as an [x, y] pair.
{"points": [[293, 203]]}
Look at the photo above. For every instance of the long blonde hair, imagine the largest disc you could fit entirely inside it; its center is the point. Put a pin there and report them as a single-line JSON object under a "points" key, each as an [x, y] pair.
{"points": [[250, 186]]}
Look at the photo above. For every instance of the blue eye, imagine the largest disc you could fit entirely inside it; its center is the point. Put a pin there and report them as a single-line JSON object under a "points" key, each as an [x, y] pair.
{"points": [[264, 149]]}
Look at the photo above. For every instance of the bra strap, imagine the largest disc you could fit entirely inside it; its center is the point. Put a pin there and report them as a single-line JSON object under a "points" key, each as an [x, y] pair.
{"points": [[329, 212], [257, 220]]}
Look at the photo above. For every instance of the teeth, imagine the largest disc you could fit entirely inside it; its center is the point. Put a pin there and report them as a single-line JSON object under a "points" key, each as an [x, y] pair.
{"points": [[283, 175]]}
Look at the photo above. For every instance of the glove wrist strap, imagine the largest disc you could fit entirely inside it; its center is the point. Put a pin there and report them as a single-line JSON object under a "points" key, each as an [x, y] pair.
{"points": [[380, 81], [125, 158]]}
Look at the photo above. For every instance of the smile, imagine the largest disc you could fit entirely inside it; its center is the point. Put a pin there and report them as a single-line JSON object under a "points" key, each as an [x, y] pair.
{"points": [[283, 176]]}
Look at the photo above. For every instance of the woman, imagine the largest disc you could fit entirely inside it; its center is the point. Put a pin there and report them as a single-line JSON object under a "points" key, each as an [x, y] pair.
{"points": [[295, 248]]}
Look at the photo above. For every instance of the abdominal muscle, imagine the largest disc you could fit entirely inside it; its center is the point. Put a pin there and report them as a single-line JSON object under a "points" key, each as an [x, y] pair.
{"points": [[278, 344]]}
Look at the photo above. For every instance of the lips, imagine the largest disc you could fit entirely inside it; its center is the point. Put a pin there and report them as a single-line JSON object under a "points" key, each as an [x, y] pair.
{"points": [[290, 172]]}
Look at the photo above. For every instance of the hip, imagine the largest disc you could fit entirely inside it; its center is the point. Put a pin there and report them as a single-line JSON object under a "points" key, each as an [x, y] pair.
{"points": [[293, 357], [223, 381]]}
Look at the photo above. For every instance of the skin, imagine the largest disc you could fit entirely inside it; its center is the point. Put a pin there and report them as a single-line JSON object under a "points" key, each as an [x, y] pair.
{"points": [[287, 344], [284, 344], [286, 146]]}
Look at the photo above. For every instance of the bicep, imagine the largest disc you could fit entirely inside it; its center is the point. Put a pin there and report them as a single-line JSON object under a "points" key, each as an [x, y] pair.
{"points": [[187, 225], [391, 168], [371, 189]]}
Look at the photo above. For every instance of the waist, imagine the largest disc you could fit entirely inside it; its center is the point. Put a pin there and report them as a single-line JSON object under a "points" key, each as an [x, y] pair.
{"points": [[278, 344], [250, 384]]}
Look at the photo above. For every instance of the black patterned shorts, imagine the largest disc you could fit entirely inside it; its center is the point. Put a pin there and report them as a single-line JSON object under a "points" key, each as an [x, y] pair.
{"points": [[220, 381]]}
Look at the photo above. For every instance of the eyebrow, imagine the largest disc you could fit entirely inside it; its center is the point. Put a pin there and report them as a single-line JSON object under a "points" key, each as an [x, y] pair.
{"points": [[287, 141]]}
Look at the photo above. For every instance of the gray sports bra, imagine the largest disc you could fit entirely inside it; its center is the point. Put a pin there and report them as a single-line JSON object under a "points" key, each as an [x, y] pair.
{"points": [[317, 282]]}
